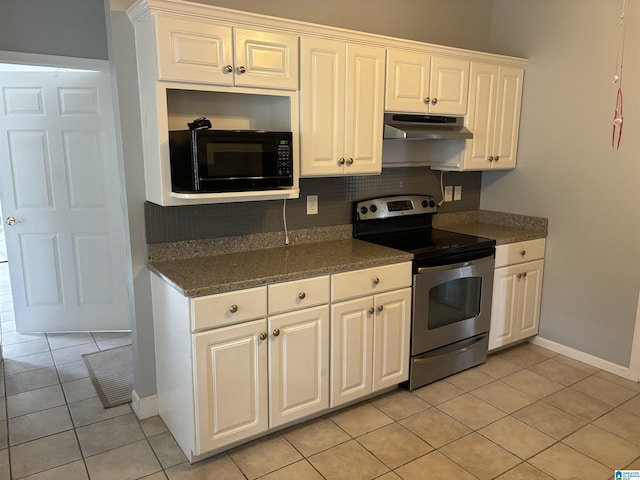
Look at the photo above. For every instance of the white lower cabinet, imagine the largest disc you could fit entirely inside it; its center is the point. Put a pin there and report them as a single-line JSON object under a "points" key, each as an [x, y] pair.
{"points": [[517, 292]]}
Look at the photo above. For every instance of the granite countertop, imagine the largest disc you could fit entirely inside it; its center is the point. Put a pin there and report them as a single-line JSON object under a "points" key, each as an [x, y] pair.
{"points": [[206, 275]]}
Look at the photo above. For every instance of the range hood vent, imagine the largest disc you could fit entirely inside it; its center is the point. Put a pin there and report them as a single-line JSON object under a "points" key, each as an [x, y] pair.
{"points": [[424, 127]]}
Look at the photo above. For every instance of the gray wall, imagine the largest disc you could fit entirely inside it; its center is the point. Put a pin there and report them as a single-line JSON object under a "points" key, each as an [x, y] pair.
{"points": [[70, 28], [567, 170]]}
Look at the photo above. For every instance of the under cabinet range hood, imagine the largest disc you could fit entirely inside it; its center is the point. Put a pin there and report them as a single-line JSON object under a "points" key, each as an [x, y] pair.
{"points": [[424, 127]]}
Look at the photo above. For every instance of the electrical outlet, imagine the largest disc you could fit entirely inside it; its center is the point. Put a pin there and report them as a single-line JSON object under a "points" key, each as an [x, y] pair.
{"points": [[457, 192], [448, 193], [312, 204]]}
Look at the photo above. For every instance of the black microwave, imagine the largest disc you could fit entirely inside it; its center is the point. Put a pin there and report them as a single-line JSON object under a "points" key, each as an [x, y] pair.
{"points": [[214, 161]]}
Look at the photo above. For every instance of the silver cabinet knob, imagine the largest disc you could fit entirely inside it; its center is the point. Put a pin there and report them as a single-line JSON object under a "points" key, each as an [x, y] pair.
{"points": [[263, 336], [380, 308], [233, 308], [375, 281], [241, 69], [519, 276], [497, 157], [302, 295], [371, 311], [341, 162], [227, 69], [276, 332], [434, 101], [349, 162], [490, 159], [524, 275], [523, 253], [10, 221], [427, 100]]}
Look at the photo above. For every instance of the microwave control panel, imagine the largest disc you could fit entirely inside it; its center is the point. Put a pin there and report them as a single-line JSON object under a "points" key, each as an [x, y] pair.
{"points": [[284, 159]]}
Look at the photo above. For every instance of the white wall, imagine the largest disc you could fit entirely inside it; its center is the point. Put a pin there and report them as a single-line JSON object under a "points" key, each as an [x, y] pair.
{"points": [[567, 170]]}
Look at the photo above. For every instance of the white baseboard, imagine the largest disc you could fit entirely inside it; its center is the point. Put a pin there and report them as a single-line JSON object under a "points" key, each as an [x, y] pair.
{"points": [[144, 407], [583, 357]]}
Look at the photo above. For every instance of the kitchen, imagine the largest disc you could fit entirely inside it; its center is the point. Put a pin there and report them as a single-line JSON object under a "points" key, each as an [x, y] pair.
{"points": [[551, 179]]}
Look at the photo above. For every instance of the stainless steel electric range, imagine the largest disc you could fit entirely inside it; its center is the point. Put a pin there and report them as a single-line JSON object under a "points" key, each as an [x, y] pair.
{"points": [[452, 283]]}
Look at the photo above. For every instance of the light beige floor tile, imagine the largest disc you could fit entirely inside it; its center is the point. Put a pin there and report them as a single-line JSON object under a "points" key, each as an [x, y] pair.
{"points": [[632, 406], [167, 450], [524, 471], [39, 424], [435, 427], [264, 456], [389, 476], [3, 408], [618, 380], [532, 383], [635, 465], [438, 392], [604, 390], [4, 436], [66, 340], [77, 390], [5, 471], [497, 367], [73, 354], [71, 471], [31, 380], [30, 362], [559, 372], [549, 419], [602, 446], [621, 423], [315, 436], [153, 426], [481, 457], [563, 462], [394, 445], [360, 419], [503, 396], [400, 404], [438, 467], [109, 434], [125, 463], [532, 347], [472, 411], [348, 461], [91, 410], [214, 468], [25, 348], [156, 476], [297, 471], [118, 340], [44, 454], [10, 338], [578, 404], [68, 372], [470, 379], [523, 356], [577, 364], [34, 401], [517, 437]]}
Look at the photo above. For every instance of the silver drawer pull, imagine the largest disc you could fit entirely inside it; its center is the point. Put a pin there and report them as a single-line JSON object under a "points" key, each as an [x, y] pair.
{"points": [[233, 308], [302, 295], [263, 336], [523, 252], [371, 311], [276, 332], [376, 281], [380, 308]]}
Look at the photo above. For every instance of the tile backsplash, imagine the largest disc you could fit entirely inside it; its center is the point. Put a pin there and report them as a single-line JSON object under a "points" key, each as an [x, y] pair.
{"points": [[335, 198]]}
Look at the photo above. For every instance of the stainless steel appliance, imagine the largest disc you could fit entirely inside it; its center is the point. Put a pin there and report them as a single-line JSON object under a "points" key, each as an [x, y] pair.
{"points": [[452, 283], [209, 161], [403, 126]]}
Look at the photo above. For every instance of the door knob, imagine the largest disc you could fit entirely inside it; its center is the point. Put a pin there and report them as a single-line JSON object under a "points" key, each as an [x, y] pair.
{"points": [[276, 332], [10, 221], [241, 69], [434, 101], [228, 69]]}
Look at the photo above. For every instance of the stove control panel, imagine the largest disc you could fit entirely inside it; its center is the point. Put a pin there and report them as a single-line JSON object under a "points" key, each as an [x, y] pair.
{"points": [[396, 206]]}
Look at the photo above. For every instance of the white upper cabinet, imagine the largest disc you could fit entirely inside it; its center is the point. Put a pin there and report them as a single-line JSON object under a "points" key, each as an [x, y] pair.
{"points": [[342, 96], [211, 53], [423, 83]]}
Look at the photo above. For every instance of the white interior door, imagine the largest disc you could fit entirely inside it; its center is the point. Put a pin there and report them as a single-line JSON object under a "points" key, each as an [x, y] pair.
{"points": [[60, 195]]}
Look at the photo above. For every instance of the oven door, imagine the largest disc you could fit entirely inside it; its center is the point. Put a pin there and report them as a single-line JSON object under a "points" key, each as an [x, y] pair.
{"points": [[451, 303]]}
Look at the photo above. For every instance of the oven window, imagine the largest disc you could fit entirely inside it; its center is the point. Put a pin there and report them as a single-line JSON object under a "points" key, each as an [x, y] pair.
{"points": [[454, 301]]}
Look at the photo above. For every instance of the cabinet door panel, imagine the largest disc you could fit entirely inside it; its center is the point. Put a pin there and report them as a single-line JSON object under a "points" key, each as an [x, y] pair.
{"points": [[364, 109], [351, 350], [507, 124], [231, 385], [322, 80], [503, 307], [530, 296], [449, 85], [298, 364], [193, 51], [391, 338], [407, 81], [270, 59], [481, 115]]}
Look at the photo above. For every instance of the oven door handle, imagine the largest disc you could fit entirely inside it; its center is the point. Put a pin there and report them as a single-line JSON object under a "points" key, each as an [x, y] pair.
{"points": [[454, 266]]}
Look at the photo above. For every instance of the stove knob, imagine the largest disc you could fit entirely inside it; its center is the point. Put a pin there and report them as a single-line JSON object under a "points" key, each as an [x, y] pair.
{"points": [[363, 210], [432, 203], [425, 204], [373, 209]]}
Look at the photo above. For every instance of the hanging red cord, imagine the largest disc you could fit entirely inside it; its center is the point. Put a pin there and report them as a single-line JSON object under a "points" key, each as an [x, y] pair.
{"points": [[618, 121]]}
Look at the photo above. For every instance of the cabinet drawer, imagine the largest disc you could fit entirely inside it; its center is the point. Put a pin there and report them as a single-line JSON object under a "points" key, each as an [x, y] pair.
{"points": [[284, 297], [370, 280], [228, 308], [519, 252]]}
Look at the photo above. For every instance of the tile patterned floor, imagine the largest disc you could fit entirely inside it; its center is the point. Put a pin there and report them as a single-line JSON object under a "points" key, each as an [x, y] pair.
{"points": [[527, 413]]}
